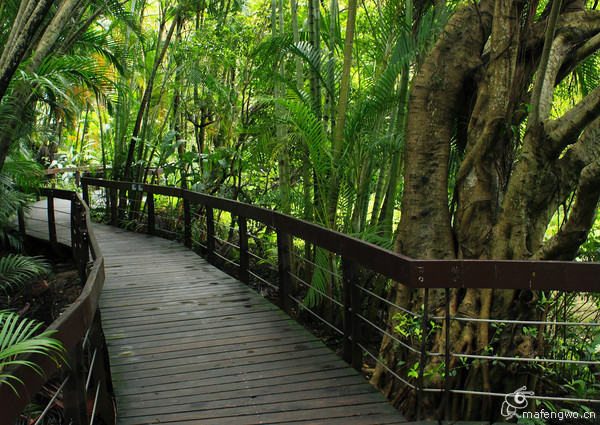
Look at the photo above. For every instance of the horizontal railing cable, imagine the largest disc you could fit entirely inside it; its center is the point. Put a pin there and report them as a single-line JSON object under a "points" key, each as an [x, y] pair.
{"points": [[388, 302], [318, 291], [389, 335], [393, 373], [50, 403], [260, 279], [321, 319]]}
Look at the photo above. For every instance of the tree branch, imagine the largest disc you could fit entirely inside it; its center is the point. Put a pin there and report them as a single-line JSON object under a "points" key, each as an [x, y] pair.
{"points": [[564, 244], [578, 167], [541, 79], [566, 129]]}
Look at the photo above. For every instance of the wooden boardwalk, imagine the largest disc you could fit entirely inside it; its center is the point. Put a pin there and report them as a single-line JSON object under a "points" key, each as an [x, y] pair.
{"points": [[190, 344]]}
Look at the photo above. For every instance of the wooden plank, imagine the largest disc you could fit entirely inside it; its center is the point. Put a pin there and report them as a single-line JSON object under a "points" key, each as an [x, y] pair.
{"points": [[201, 289], [219, 360], [349, 406], [207, 382], [202, 376], [178, 304], [200, 352], [191, 325], [293, 383], [229, 313], [185, 334], [249, 400]]}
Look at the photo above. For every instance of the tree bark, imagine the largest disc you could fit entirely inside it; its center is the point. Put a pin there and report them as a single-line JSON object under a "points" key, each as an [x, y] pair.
{"points": [[437, 93]]}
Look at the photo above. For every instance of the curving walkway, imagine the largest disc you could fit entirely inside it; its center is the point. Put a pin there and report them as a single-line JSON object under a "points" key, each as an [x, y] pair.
{"points": [[189, 344]]}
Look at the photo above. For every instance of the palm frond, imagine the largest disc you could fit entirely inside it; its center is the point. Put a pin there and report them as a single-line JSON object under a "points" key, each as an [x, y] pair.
{"points": [[318, 285], [18, 270], [11, 200], [587, 75], [25, 173], [63, 71], [20, 336], [317, 60], [303, 118], [116, 10], [98, 42]]}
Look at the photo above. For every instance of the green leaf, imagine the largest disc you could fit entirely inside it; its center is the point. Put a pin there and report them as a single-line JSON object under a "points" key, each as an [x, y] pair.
{"points": [[19, 336]]}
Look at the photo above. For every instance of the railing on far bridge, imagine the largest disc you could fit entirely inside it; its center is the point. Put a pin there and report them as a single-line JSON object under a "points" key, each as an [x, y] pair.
{"points": [[200, 225]]}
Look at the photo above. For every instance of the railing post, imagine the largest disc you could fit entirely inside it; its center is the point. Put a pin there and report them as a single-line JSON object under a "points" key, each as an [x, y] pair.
{"points": [[75, 226], [114, 219], [151, 213], [79, 238], [447, 357], [21, 220], [85, 192], [283, 262], [244, 257], [210, 235], [352, 305], [74, 395], [51, 219], [187, 224], [423, 354]]}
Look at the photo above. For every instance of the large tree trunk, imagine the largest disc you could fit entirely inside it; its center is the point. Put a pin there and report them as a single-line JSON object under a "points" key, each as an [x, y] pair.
{"points": [[506, 190], [438, 90]]}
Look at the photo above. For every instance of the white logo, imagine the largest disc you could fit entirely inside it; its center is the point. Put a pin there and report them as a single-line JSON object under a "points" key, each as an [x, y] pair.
{"points": [[515, 401]]}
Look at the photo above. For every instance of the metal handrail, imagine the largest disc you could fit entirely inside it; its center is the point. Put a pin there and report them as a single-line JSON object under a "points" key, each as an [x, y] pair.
{"points": [[81, 318], [414, 273]]}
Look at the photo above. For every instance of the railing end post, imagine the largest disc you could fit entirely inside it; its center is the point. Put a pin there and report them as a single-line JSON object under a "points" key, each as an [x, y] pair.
{"points": [[51, 219], [351, 299], [114, 219], [187, 224], [210, 235], [21, 221], [284, 266], [244, 257], [151, 213], [85, 192]]}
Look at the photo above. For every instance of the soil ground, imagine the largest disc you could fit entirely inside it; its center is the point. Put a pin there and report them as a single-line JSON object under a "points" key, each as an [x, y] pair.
{"points": [[45, 298]]}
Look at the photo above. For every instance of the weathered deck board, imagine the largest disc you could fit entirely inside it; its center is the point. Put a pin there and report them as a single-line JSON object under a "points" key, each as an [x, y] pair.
{"points": [[190, 344]]}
